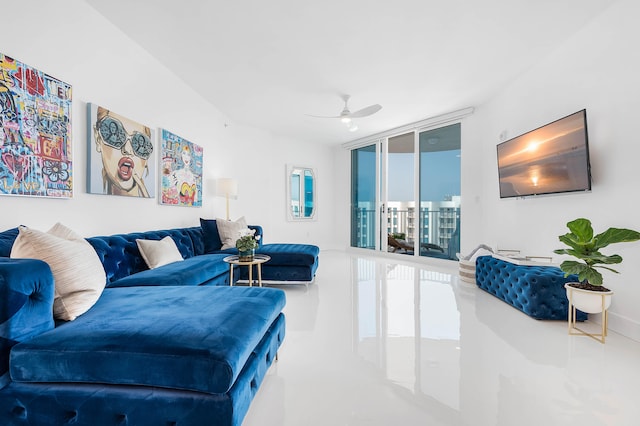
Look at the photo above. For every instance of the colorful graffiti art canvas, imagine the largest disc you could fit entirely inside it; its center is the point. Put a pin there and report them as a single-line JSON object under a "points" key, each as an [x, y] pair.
{"points": [[181, 180], [35, 141], [120, 155]]}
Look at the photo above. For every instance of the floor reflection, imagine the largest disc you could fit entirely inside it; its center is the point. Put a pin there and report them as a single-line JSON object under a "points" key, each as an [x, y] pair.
{"points": [[377, 342], [407, 324]]}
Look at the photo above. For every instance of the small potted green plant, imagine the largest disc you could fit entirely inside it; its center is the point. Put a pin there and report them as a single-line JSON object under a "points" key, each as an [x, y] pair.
{"points": [[398, 235], [585, 246], [247, 244]]}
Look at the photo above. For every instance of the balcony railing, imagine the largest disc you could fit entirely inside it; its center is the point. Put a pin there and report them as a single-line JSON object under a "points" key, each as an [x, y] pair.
{"points": [[439, 227]]}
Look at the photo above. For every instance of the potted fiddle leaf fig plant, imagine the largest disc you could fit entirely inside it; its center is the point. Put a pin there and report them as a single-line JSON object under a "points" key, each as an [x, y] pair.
{"points": [[585, 247]]}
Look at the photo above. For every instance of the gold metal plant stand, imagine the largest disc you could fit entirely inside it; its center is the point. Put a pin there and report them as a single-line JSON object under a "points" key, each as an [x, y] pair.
{"points": [[572, 320]]}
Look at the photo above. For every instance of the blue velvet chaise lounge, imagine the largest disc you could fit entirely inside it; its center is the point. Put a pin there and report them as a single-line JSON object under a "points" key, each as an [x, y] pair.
{"points": [[173, 345]]}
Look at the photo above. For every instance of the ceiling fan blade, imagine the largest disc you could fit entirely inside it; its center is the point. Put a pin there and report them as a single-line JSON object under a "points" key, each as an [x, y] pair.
{"points": [[322, 116], [364, 112]]}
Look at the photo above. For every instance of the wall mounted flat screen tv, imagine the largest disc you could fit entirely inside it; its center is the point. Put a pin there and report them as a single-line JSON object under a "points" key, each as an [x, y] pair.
{"points": [[551, 159]]}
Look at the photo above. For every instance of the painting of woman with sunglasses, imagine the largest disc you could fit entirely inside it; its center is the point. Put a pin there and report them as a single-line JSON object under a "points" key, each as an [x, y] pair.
{"points": [[125, 148]]}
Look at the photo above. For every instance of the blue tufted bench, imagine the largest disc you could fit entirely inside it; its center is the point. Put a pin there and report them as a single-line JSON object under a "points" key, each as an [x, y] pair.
{"points": [[538, 291]]}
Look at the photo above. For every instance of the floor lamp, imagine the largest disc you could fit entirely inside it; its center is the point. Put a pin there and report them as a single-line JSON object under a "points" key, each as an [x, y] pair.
{"points": [[228, 188]]}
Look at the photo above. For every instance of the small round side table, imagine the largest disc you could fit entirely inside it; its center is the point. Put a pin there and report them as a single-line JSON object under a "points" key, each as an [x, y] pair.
{"points": [[258, 260]]}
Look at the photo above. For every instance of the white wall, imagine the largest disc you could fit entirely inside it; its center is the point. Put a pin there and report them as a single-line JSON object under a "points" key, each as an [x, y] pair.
{"points": [[596, 69], [77, 45]]}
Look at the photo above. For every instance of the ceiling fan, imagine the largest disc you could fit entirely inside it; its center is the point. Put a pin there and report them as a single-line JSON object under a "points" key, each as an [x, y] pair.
{"points": [[346, 115]]}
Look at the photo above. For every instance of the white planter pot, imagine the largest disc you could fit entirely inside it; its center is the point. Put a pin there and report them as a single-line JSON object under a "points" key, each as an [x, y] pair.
{"points": [[588, 301]]}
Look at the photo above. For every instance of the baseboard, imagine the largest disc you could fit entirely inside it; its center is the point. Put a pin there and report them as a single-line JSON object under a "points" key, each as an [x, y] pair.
{"points": [[621, 325]]}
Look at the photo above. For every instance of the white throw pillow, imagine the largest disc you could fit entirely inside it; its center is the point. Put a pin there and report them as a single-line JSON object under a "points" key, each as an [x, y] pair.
{"points": [[230, 231], [78, 274], [157, 253]]}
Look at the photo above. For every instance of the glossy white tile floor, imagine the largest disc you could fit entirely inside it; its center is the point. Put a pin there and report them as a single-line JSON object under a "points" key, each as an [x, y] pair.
{"points": [[376, 342]]}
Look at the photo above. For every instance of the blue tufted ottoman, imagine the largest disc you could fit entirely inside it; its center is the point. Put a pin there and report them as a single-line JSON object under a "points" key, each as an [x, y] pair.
{"points": [[538, 291]]}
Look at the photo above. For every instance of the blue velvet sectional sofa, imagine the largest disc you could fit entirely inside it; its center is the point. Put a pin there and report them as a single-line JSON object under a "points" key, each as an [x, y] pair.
{"points": [[175, 345]]}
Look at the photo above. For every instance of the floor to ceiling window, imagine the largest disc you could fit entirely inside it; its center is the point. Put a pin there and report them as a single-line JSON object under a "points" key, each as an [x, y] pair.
{"points": [[405, 193], [400, 220], [439, 221], [363, 197]]}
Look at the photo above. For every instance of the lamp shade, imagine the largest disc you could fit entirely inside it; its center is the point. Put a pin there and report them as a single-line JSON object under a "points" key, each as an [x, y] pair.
{"points": [[227, 187]]}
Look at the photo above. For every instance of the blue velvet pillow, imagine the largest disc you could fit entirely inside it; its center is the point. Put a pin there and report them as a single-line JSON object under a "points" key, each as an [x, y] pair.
{"points": [[211, 237], [6, 241], [212, 241]]}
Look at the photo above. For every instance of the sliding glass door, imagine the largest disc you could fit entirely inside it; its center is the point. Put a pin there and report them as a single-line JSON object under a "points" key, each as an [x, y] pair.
{"points": [[399, 180], [439, 216], [405, 193], [364, 197]]}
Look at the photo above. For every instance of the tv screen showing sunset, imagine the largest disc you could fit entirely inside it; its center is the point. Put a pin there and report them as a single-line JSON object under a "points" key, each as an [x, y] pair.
{"points": [[551, 159]]}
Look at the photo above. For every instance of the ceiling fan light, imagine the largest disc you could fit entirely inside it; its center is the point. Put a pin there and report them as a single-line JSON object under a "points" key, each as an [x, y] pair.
{"points": [[346, 120], [353, 128]]}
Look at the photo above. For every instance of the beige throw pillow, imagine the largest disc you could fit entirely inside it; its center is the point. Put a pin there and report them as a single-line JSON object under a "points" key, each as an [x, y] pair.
{"points": [[230, 231], [157, 253], [78, 274]]}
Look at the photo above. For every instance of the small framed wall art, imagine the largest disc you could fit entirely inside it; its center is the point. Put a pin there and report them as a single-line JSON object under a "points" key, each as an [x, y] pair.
{"points": [[181, 178]]}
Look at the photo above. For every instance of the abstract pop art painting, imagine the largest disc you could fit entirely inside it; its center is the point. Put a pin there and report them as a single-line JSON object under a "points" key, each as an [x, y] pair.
{"points": [[120, 155], [181, 179], [35, 141]]}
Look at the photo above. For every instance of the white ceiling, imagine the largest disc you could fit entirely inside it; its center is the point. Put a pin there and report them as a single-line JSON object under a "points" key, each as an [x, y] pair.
{"points": [[267, 63]]}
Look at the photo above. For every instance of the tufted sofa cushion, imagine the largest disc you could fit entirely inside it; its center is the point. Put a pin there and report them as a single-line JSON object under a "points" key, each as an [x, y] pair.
{"points": [[121, 257], [538, 291]]}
